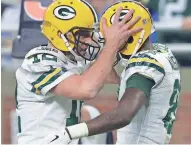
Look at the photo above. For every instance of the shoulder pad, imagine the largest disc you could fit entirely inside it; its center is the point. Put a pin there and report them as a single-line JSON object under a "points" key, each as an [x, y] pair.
{"points": [[146, 60]]}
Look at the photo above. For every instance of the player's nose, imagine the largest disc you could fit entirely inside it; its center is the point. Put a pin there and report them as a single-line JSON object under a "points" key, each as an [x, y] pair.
{"points": [[86, 40]]}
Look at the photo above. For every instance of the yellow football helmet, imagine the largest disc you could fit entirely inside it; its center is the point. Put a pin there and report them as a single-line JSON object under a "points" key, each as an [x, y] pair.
{"points": [[63, 19], [134, 42]]}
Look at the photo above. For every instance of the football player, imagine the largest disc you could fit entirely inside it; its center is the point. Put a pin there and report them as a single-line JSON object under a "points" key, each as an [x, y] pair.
{"points": [[52, 78], [149, 88]]}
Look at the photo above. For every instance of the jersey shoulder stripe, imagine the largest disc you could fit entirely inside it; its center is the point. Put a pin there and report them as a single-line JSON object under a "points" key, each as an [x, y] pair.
{"points": [[46, 79], [145, 60]]}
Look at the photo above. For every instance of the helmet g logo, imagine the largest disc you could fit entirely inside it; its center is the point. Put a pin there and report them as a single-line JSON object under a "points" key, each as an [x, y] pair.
{"points": [[64, 12], [122, 15]]}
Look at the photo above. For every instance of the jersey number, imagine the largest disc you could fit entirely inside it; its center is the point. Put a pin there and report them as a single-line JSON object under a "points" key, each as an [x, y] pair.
{"points": [[170, 117], [73, 117], [38, 58]]}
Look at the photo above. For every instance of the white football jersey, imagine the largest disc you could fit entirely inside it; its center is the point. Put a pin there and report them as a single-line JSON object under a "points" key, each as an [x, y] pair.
{"points": [[153, 123], [39, 111]]}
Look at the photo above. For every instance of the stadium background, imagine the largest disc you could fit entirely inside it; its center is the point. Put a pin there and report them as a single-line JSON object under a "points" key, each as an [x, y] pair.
{"points": [[173, 23]]}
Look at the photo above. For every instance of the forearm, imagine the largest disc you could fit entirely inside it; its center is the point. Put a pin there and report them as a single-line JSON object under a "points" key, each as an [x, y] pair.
{"points": [[132, 100], [96, 75], [106, 122], [89, 84]]}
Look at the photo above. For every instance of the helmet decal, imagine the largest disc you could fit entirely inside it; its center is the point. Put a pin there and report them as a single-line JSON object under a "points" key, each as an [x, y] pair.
{"points": [[122, 15], [64, 12]]}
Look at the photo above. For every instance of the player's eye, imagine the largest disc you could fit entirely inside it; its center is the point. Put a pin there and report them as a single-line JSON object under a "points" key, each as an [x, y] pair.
{"points": [[83, 33]]}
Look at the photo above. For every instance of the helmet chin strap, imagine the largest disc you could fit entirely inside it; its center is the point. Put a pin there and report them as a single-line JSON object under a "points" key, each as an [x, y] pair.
{"points": [[77, 57], [124, 62]]}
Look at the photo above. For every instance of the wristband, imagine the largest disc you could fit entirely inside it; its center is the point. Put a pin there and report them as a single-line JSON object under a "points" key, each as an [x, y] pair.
{"points": [[78, 131]]}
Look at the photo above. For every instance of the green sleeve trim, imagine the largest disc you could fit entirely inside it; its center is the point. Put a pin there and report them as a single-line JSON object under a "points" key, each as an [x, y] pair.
{"points": [[141, 82]]}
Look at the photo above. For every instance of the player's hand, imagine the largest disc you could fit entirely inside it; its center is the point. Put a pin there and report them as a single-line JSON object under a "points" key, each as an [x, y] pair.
{"points": [[119, 32], [59, 137]]}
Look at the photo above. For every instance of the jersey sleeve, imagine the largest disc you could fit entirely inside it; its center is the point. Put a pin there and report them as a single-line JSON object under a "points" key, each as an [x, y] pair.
{"points": [[45, 81], [147, 66], [45, 74], [140, 82]]}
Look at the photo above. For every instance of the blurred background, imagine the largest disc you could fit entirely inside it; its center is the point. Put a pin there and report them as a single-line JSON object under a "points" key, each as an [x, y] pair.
{"points": [[20, 31]]}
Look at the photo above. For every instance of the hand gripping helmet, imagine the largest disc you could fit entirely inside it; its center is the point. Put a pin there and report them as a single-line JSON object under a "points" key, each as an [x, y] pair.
{"points": [[135, 42], [63, 19]]}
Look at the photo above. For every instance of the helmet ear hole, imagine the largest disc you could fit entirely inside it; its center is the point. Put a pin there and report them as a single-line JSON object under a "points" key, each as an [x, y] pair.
{"points": [[69, 35], [59, 34], [130, 40]]}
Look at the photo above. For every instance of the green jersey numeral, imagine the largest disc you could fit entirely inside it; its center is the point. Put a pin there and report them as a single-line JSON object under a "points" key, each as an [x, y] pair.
{"points": [[174, 100], [38, 58], [73, 118]]}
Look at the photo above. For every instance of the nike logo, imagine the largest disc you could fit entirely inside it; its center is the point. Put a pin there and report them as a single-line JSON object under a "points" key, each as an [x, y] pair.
{"points": [[56, 137]]}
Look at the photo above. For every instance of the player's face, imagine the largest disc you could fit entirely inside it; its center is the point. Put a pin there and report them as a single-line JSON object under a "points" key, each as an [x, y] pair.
{"points": [[86, 46], [82, 47]]}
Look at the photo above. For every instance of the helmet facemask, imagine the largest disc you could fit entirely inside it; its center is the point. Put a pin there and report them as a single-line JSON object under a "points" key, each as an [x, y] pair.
{"points": [[86, 50]]}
